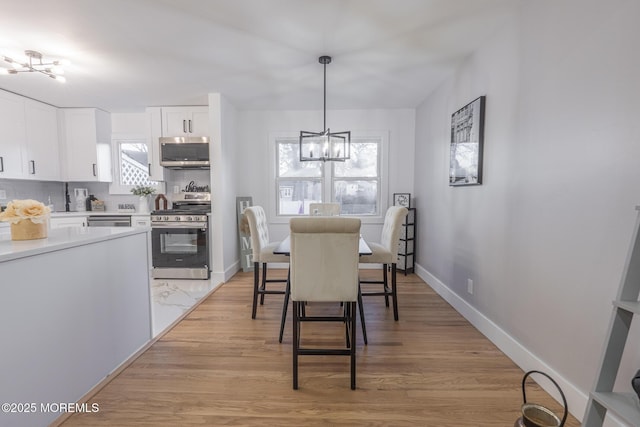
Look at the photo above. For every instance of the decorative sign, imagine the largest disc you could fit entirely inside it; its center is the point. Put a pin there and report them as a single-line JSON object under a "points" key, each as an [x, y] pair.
{"points": [[246, 249]]}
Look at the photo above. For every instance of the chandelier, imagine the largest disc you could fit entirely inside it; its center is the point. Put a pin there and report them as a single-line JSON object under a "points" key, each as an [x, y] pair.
{"points": [[35, 63], [325, 145]]}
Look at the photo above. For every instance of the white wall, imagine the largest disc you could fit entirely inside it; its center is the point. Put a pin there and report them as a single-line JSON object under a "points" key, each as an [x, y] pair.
{"points": [[545, 237], [254, 154], [224, 171]]}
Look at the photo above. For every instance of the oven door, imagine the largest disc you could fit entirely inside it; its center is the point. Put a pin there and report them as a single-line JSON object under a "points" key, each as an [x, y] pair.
{"points": [[180, 251]]}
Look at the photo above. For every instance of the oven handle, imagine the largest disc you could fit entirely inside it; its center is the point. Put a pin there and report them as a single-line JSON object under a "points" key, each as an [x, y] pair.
{"points": [[179, 225]]}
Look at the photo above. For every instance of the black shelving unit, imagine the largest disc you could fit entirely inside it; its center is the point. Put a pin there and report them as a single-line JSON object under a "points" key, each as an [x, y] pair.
{"points": [[407, 244]]}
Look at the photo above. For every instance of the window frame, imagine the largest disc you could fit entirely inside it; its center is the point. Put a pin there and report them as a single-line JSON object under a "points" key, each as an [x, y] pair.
{"points": [[328, 177], [115, 187]]}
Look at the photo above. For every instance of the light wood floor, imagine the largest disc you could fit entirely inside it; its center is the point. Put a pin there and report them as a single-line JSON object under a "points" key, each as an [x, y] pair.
{"points": [[220, 367]]}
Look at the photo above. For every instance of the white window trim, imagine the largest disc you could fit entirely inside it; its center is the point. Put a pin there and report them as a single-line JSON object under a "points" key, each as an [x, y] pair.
{"points": [[383, 135], [114, 186]]}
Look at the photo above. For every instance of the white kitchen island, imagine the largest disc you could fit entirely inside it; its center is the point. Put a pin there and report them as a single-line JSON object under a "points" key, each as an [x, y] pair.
{"points": [[73, 307]]}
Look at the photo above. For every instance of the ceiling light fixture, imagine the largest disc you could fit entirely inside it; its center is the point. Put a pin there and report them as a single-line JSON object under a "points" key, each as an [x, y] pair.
{"points": [[325, 145], [34, 63]]}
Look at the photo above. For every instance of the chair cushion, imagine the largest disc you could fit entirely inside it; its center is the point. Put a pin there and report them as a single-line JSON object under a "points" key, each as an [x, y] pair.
{"points": [[379, 255]]}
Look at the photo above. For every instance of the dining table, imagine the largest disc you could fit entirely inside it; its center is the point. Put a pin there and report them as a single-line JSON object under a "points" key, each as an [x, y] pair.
{"points": [[284, 248]]}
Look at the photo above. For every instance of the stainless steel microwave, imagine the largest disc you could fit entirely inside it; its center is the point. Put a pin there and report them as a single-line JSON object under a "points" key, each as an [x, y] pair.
{"points": [[184, 152]]}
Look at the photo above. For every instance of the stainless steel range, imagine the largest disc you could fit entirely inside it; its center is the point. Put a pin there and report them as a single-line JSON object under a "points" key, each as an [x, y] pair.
{"points": [[180, 238]]}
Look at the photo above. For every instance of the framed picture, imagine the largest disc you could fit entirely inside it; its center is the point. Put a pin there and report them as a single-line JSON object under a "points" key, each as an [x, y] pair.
{"points": [[402, 199], [467, 137]]}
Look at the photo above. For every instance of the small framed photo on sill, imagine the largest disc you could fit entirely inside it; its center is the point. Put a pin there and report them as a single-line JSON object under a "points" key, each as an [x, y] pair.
{"points": [[402, 199]]}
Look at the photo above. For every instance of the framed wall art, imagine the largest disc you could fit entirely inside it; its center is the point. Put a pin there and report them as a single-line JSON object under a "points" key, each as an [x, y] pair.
{"points": [[467, 140], [402, 199]]}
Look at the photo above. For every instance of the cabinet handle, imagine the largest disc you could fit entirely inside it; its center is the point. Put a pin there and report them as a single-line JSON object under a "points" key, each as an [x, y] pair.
{"points": [[190, 130], [149, 168], [1, 164], [94, 170], [33, 167], [184, 126]]}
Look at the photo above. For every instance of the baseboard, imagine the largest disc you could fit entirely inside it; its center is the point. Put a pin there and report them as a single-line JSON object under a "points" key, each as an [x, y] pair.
{"points": [[520, 355]]}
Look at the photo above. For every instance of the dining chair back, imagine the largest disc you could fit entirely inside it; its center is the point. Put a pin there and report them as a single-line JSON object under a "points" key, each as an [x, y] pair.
{"points": [[386, 253], [324, 268], [262, 254], [324, 209]]}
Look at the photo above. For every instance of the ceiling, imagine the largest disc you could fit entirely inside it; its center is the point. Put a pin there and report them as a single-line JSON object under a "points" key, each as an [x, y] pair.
{"points": [[260, 54]]}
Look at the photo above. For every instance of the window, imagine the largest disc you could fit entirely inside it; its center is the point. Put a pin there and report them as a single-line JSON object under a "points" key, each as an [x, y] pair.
{"points": [[130, 166], [356, 183]]}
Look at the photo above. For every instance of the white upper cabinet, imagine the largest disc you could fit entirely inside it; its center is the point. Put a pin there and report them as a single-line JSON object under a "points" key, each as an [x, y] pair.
{"points": [[29, 146], [185, 121], [86, 138], [12, 135], [154, 132], [42, 148]]}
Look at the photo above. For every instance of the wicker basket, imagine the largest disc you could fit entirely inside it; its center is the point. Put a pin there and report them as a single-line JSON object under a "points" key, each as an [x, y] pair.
{"points": [[28, 230]]}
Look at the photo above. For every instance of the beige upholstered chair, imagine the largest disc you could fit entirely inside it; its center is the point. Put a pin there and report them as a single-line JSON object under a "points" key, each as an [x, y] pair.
{"points": [[324, 209], [386, 253], [324, 268], [262, 253]]}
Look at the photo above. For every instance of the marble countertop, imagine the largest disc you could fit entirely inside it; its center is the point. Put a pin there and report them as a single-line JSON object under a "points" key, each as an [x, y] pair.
{"points": [[61, 238]]}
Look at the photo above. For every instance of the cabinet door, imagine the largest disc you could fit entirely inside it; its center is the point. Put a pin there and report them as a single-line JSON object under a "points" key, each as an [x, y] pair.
{"points": [[154, 117], [81, 159], [138, 221], [185, 121], [86, 158], [199, 124], [103, 153], [175, 121], [62, 222], [42, 150], [12, 135]]}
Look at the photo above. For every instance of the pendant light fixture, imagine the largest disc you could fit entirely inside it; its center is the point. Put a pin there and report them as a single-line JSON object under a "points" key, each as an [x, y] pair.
{"points": [[35, 63], [326, 145]]}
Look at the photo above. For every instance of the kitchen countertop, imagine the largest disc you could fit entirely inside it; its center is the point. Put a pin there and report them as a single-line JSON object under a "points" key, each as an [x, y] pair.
{"points": [[61, 238]]}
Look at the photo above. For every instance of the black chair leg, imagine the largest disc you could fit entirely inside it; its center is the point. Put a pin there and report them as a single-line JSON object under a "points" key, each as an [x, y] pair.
{"points": [[394, 293], [264, 282], [353, 345], [295, 343], [361, 308], [285, 305], [256, 275], [385, 283]]}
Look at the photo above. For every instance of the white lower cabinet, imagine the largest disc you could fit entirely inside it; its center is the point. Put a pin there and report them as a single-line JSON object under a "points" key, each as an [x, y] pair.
{"points": [[140, 221], [61, 222]]}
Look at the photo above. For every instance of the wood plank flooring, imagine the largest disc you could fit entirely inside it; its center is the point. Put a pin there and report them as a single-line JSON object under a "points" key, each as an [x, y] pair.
{"points": [[220, 367]]}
